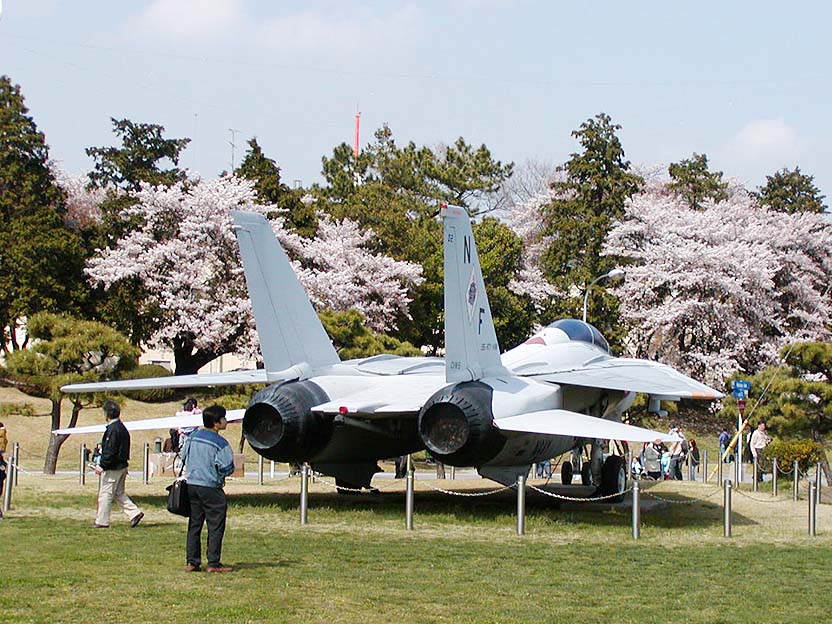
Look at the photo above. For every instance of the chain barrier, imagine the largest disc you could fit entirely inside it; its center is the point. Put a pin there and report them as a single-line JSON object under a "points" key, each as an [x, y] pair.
{"points": [[467, 494], [737, 490], [344, 488], [578, 499], [683, 502]]}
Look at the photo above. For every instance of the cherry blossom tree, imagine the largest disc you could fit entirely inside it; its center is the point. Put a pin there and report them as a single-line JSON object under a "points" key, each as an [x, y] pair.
{"points": [[340, 274], [83, 204], [720, 289], [185, 256]]}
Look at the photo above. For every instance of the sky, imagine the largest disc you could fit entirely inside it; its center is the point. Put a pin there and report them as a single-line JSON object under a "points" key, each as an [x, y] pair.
{"points": [[746, 83]]}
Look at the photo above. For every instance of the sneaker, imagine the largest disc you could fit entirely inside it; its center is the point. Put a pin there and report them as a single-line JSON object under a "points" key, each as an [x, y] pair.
{"points": [[192, 568], [100, 526], [220, 568], [134, 522]]}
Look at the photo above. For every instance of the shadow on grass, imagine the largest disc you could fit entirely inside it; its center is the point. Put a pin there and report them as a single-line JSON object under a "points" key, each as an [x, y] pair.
{"points": [[670, 510]]}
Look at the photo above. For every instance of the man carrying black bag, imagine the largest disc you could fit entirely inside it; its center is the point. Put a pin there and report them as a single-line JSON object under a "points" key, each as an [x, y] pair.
{"points": [[208, 459]]}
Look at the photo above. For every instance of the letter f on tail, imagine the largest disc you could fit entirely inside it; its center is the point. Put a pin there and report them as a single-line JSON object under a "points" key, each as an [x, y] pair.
{"points": [[471, 348]]}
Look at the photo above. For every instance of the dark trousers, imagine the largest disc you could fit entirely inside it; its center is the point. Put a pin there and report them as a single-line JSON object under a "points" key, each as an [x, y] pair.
{"points": [[208, 505]]}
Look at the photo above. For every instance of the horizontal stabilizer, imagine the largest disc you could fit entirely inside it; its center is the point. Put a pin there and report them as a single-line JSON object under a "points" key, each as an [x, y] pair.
{"points": [[167, 422], [627, 375], [566, 423], [230, 378]]}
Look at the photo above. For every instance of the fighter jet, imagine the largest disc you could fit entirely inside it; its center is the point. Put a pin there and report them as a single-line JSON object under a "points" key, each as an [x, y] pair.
{"points": [[500, 413]]}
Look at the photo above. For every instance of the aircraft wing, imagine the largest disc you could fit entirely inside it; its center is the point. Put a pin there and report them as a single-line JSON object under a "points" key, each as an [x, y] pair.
{"points": [[166, 422], [566, 423], [230, 378], [628, 375]]}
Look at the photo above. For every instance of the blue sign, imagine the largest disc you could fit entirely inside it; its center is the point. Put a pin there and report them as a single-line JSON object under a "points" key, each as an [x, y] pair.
{"points": [[740, 388]]}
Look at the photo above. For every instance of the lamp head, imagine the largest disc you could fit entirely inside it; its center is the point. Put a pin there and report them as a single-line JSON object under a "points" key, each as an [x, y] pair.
{"points": [[615, 276]]}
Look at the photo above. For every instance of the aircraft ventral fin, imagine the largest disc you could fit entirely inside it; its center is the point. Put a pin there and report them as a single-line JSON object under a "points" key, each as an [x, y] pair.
{"points": [[471, 348], [566, 423], [164, 423]]}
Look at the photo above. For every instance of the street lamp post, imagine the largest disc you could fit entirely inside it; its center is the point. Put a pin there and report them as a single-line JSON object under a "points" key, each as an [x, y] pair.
{"points": [[616, 276]]}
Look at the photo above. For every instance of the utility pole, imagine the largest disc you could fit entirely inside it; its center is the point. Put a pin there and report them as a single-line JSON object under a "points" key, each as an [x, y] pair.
{"points": [[233, 145]]}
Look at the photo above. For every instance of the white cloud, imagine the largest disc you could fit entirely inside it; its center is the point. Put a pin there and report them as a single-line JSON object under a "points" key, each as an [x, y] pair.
{"points": [[764, 140], [192, 20], [313, 31]]}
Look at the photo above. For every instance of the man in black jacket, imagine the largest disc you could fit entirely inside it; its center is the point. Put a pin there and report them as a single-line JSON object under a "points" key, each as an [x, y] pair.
{"points": [[115, 453]]}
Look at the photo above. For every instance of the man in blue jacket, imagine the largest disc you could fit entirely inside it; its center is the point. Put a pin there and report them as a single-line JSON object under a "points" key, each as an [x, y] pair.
{"points": [[208, 461]]}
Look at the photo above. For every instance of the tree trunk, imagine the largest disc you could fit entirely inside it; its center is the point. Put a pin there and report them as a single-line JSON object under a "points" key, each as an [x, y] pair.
{"points": [[56, 441]]}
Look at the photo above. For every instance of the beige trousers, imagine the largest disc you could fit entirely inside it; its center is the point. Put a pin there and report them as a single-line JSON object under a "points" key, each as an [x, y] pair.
{"points": [[112, 488]]}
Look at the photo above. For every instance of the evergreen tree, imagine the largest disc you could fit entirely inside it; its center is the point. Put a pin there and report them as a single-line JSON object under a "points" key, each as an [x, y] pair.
{"points": [[66, 350], [695, 183], [589, 195], [271, 191], [398, 196], [41, 261], [143, 147], [791, 191], [120, 171]]}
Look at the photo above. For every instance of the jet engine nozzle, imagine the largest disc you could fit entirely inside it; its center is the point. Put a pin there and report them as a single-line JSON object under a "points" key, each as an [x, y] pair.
{"points": [[457, 425], [279, 425]]}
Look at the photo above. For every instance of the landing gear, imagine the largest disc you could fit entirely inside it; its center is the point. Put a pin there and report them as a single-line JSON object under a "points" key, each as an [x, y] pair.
{"points": [[613, 478], [566, 473], [586, 474]]}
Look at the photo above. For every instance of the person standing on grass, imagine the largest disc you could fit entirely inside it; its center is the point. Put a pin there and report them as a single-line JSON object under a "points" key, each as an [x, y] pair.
{"points": [[208, 461], [112, 467], [724, 441], [759, 440]]}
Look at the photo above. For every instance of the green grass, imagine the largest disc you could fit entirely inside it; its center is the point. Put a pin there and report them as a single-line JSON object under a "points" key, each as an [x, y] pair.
{"points": [[463, 562]]}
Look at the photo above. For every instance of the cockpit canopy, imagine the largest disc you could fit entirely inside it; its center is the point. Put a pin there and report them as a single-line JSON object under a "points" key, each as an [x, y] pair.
{"points": [[578, 330]]}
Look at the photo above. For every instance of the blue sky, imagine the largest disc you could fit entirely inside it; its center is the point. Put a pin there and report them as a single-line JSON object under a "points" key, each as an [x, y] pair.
{"points": [[747, 83]]}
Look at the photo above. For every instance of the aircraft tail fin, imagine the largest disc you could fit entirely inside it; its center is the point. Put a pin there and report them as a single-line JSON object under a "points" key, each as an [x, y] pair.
{"points": [[291, 334], [471, 348]]}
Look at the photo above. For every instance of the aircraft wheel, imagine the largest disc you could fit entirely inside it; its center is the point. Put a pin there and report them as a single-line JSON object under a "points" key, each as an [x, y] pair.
{"points": [[586, 474], [613, 478], [566, 473]]}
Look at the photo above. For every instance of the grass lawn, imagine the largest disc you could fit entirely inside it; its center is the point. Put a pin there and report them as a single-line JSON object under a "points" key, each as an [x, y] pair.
{"points": [[463, 562]]}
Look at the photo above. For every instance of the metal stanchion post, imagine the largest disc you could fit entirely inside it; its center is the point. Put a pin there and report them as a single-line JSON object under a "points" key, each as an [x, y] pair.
{"points": [[813, 510], [533, 473], [795, 480], [727, 509], [146, 467], [719, 467], [754, 474], [304, 494], [636, 511], [259, 470], [705, 466], [7, 493], [453, 473], [738, 469], [818, 477], [774, 477], [82, 473], [271, 470], [16, 460], [408, 501], [521, 505]]}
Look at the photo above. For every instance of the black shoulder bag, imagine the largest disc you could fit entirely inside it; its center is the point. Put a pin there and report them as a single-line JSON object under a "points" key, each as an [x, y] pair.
{"points": [[179, 502]]}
